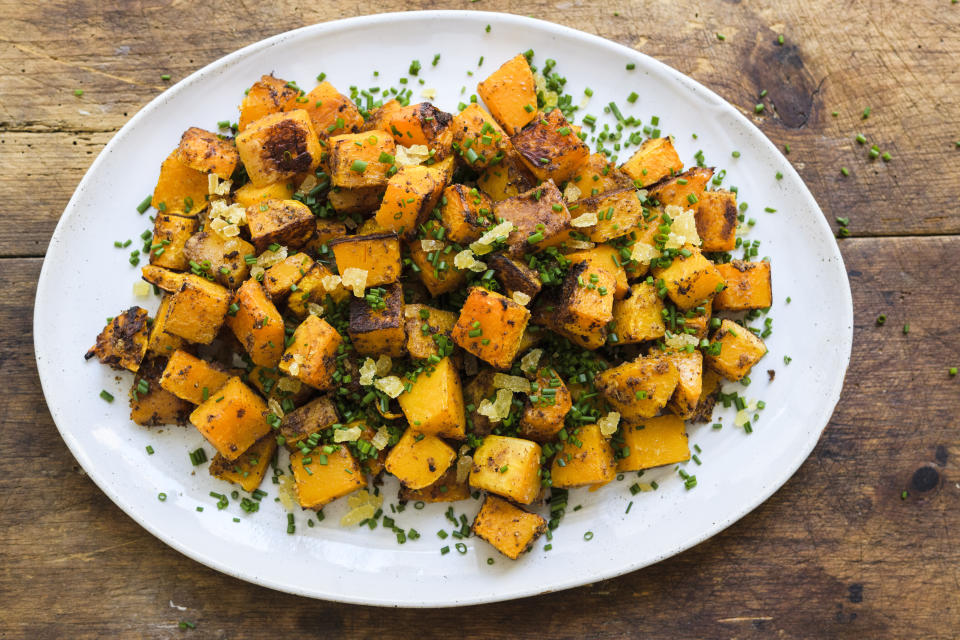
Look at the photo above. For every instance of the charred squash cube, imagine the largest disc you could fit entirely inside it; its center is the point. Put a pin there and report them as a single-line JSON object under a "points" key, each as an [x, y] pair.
{"points": [[550, 147], [379, 118], [418, 460], [465, 213], [250, 468], [170, 235], [683, 190], [223, 258], [585, 305], [617, 212], [267, 95], [477, 390], [638, 317], [232, 419], [654, 442], [331, 112], [377, 323], [378, 254], [426, 329], [654, 160], [321, 478], [508, 528], [507, 466], [314, 288], [490, 326], [123, 342], [190, 378], [608, 258], [180, 189], [152, 405], [586, 458], [546, 409], [433, 261], [412, 193], [250, 194], [161, 278], [510, 94], [311, 356], [299, 424], [444, 489], [477, 137], [285, 222], [162, 343], [641, 388], [278, 147], [423, 124], [689, 366], [362, 159], [434, 403], [539, 215], [280, 280], [257, 324], [358, 200], [739, 350], [598, 175], [197, 310], [514, 275], [507, 178], [207, 152], [748, 286], [691, 279], [716, 215]]}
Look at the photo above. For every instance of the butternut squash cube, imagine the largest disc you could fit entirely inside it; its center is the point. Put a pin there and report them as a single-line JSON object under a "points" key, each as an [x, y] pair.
{"points": [[331, 112], [436, 268], [157, 406], [257, 324], [639, 389], [223, 258], [740, 349], [434, 403], [321, 477], [477, 137], [274, 385], [422, 124], [550, 147], [506, 178], [697, 319], [748, 286], [426, 329], [465, 213], [654, 442], [508, 528], [689, 383], [444, 489], [412, 193], [278, 147], [618, 213], [716, 215], [299, 424], [378, 254], [250, 194], [281, 279], [598, 175], [418, 459], [207, 152], [162, 343], [608, 258], [514, 275], [267, 95], [510, 94], [379, 329], [232, 419], [311, 289], [358, 200], [638, 317], [585, 305], [490, 326], [362, 159], [249, 469], [162, 278], [170, 234], [197, 310], [190, 378], [683, 190], [586, 458], [180, 189], [690, 280], [288, 223], [654, 160], [546, 409], [123, 342], [507, 466], [538, 215], [312, 354]]}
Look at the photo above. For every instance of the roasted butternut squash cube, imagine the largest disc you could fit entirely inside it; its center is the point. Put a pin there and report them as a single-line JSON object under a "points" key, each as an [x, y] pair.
{"points": [[362, 159], [618, 213], [689, 383], [586, 458], [508, 528], [123, 342], [640, 388], [207, 152], [278, 147], [510, 94], [250, 194], [477, 137], [423, 124], [434, 403], [288, 223], [319, 484], [465, 213], [716, 215], [378, 254], [514, 275], [267, 95], [748, 286], [223, 258], [257, 324], [327, 230], [683, 190], [232, 419], [162, 278], [192, 379], [598, 175], [550, 147], [435, 266], [314, 288], [638, 318], [585, 305], [274, 385], [180, 189], [478, 389], [249, 469], [545, 410], [608, 258], [418, 460], [507, 466], [377, 324], [281, 279], [490, 326], [155, 406], [358, 200], [654, 160], [299, 424], [507, 177], [696, 319], [708, 396], [427, 328], [311, 356], [331, 112], [412, 193], [379, 118], [740, 349], [197, 310], [171, 232], [538, 215], [162, 343], [654, 442], [444, 489], [690, 280]]}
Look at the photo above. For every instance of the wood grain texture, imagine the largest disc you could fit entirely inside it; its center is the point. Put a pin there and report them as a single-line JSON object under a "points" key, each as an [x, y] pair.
{"points": [[836, 553]]}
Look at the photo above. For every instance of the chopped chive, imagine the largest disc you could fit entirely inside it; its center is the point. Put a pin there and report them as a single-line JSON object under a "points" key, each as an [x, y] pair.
{"points": [[106, 395], [721, 37], [631, 66], [862, 139], [165, 77], [866, 113], [845, 171], [144, 204], [780, 40], [758, 108]]}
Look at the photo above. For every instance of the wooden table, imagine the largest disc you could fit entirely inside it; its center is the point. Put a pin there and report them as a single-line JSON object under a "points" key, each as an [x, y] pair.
{"points": [[860, 543]]}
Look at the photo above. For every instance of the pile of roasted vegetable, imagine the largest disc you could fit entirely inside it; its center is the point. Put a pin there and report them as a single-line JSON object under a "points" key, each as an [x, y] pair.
{"points": [[470, 303]]}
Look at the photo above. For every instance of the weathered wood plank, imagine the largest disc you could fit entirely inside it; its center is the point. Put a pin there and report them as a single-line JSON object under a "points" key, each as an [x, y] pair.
{"points": [[835, 553]]}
